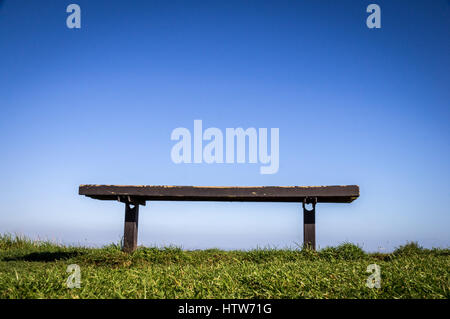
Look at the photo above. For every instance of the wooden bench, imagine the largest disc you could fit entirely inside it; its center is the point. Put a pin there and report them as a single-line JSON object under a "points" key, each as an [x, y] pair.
{"points": [[133, 196]]}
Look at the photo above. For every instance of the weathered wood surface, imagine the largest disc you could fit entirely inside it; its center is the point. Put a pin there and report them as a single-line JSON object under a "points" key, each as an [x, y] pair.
{"points": [[130, 233], [309, 227], [324, 194]]}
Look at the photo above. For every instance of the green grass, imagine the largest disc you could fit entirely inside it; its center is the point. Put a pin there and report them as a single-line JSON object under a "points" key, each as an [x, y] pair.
{"points": [[34, 269]]}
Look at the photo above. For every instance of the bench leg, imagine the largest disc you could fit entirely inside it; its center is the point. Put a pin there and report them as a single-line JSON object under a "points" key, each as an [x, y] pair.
{"points": [[131, 228], [309, 227]]}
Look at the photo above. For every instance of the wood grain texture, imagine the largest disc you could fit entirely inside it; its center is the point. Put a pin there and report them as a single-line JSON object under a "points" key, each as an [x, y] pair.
{"points": [[130, 232], [324, 194], [309, 228]]}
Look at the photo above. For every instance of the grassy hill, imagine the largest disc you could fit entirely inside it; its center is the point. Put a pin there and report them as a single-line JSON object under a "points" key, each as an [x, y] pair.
{"points": [[32, 269]]}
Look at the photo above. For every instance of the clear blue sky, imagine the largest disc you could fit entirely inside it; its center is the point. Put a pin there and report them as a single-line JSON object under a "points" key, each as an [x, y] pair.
{"points": [[353, 106]]}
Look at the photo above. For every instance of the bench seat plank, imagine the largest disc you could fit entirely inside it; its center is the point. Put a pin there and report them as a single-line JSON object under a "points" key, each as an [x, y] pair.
{"points": [[324, 194]]}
